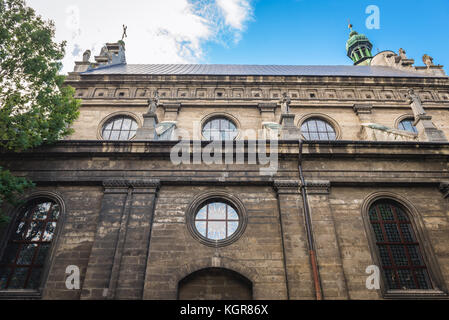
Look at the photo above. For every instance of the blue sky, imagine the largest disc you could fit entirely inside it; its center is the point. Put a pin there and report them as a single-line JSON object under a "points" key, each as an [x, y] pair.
{"points": [[247, 31], [315, 31]]}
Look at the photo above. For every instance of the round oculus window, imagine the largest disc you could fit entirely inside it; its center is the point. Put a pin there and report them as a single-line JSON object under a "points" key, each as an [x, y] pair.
{"points": [[217, 221]]}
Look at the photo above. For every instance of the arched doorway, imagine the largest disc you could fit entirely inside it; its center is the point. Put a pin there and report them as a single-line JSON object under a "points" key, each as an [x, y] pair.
{"points": [[215, 284]]}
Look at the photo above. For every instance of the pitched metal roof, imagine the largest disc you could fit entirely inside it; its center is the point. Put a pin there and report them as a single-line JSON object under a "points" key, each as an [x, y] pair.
{"points": [[253, 70]]}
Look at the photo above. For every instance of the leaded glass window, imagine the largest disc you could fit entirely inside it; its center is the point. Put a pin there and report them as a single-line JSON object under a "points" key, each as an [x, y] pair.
{"points": [[400, 253], [217, 221], [24, 257], [407, 125], [220, 129], [318, 129], [121, 128]]}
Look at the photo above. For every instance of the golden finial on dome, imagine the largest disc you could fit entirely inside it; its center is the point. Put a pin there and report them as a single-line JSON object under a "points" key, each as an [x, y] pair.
{"points": [[350, 25]]}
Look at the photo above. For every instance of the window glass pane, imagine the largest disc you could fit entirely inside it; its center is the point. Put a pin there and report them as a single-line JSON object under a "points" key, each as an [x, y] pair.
{"points": [[9, 256], [384, 256], [126, 124], [118, 124], [26, 254], [423, 279], [392, 232], [216, 230], [217, 211], [232, 227], [232, 215], [201, 215], [407, 125], [378, 232], [35, 278], [407, 232], [201, 227], [17, 280], [42, 254], [120, 128], [321, 126], [124, 135], [317, 129], [114, 135], [49, 231], [219, 129], [4, 275], [406, 279]]}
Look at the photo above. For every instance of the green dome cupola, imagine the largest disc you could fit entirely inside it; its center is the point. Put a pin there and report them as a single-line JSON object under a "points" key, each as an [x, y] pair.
{"points": [[359, 48]]}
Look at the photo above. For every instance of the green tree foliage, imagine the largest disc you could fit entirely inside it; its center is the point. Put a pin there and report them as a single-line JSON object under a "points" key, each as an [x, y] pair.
{"points": [[35, 106]]}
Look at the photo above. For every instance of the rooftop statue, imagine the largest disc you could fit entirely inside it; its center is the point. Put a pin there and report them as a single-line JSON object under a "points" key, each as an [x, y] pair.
{"points": [[285, 103], [153, 103], [86, 55], [416, 102], [428, 60], [125, 28], [402, 54]]}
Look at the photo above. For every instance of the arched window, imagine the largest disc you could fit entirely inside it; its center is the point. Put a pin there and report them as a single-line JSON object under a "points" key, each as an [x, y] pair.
{"points": [[217, 221], [23, 259], [399, 250], [318, 129], [220, 129], [407, 125], [121, 128]]}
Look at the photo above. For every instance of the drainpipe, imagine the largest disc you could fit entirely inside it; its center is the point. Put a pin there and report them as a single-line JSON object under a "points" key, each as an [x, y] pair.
{"points": [[310, 240]]}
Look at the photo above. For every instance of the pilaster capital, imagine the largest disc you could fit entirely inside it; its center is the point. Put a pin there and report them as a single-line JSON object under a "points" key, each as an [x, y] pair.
{"points": [[318, 186], [362, 108], [287, 186]]}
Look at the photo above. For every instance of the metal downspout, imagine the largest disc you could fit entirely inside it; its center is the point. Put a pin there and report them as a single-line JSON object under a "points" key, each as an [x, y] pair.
{"points": [[310, 240]]}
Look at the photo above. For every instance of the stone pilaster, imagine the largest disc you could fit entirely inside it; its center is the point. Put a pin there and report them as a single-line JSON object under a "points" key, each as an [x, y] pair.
{"points": [[171, 111], [294, 240], [328, 251], [267, 111], [427, 130], [133, 245], [148, 129], [444, 188], [117, 263], [289, 131], [101, 260]]}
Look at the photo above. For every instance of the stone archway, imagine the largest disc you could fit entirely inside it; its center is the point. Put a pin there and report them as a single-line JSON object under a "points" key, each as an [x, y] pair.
{"points": [[215, 284]]}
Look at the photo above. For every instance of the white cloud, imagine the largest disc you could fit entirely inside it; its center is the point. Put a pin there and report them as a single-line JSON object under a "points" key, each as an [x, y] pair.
{"points": [[236, 12], [159, 31]]}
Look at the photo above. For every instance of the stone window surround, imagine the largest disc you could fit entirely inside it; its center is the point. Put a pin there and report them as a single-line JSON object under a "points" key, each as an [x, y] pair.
{"points": [[219, 196], [323, 117], [13, 214], [115, 114], [426, 250]]}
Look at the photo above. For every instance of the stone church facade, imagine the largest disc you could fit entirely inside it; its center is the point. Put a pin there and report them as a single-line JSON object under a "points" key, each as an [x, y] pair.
{"points": [[361, 179]]}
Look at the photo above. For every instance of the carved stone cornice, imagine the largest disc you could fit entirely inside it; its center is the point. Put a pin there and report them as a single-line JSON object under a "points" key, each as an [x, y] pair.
{"points": [[444, 188], [134, 184], [286, 186], [318, 186]]}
